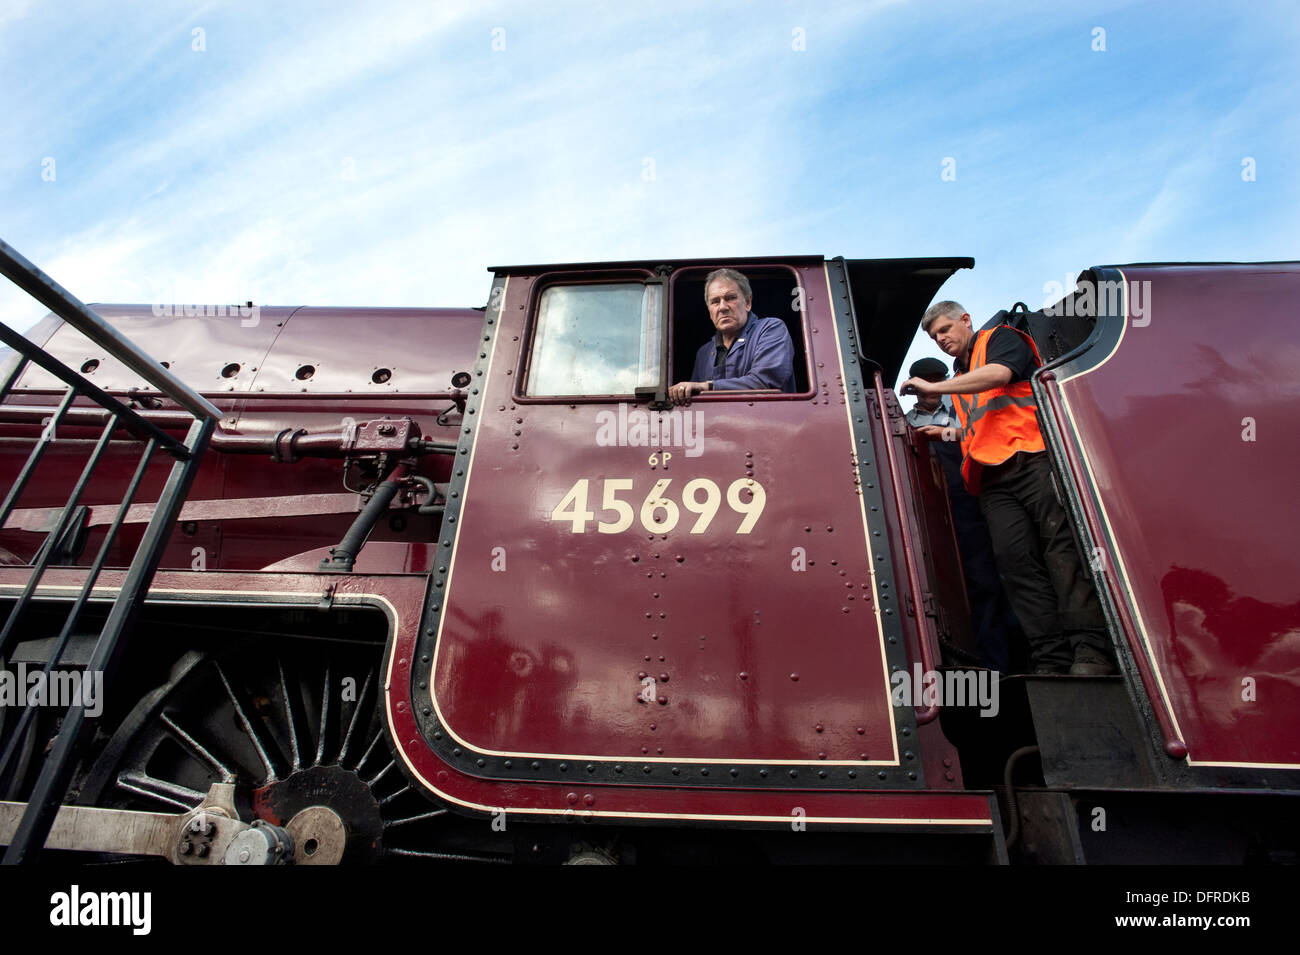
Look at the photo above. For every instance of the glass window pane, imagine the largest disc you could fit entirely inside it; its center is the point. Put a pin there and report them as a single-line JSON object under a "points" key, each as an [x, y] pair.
{"points": [[596, 340]]}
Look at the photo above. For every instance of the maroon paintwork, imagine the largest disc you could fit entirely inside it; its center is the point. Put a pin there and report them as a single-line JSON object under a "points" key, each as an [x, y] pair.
{"points": [[421, 348], [1186, 437]]}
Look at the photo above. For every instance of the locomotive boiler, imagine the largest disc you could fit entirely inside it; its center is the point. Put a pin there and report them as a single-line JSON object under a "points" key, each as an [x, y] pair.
{"points": [[460, 584]]}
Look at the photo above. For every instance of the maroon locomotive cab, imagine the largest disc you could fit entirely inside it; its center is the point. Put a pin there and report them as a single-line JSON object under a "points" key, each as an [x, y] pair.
{"points": [[651, 613], [1174, 428]]}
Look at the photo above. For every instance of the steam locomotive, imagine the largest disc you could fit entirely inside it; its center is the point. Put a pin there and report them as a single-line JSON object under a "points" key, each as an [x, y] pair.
{"points": [[460, 584]]}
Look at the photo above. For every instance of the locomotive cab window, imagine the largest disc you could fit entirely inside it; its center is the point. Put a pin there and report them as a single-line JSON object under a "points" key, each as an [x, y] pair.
{"points": [[596, 339], [776, 294]]}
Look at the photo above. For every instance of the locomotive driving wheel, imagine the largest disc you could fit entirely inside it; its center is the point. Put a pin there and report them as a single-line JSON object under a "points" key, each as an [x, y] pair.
{"points": [[299, 734]]}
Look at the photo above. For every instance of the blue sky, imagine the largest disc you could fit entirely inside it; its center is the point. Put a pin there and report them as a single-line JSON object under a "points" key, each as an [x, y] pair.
{"points": [[387, 153]]}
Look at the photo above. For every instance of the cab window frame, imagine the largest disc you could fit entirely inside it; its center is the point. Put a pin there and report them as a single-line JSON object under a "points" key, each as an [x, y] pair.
{"points": [[529, 337]]}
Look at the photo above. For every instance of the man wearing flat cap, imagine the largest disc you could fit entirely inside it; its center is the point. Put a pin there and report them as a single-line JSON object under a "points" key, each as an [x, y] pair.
{"points": [[933, 411]]}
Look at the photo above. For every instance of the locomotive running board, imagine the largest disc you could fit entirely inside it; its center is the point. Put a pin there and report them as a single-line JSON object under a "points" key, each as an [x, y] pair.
{"points": [[198, 836], [129, 832]]}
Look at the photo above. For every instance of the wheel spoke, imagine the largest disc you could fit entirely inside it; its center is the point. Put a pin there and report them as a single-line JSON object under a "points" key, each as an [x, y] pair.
{"points": [[324, 718], [369, 749], [387, 799], [263, 751], [173, 794], [371, 782], [447, 856], [292, 719], [422, 816], [197, 748], [356, 717]]}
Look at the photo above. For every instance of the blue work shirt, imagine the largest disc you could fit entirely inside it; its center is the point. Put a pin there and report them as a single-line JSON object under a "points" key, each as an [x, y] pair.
{"points": [[762, 356]]}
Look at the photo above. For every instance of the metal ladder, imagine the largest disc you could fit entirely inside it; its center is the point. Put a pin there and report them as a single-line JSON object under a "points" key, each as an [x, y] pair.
{"points": [[60, 762]]}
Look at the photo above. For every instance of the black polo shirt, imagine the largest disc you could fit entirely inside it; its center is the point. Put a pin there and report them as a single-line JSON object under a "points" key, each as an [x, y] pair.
{"points": [[1008, 348]]}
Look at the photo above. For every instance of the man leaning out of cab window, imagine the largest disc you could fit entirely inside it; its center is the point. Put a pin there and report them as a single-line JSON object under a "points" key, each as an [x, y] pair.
{"points": [[747, 352]]}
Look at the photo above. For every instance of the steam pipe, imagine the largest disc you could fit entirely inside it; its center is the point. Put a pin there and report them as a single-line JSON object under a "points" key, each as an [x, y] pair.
{"points": [[344, 555]]}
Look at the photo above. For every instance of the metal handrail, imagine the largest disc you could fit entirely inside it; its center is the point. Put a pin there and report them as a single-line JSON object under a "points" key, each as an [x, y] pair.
{"points": [[74, 729], [63, 303], [925, 714]]}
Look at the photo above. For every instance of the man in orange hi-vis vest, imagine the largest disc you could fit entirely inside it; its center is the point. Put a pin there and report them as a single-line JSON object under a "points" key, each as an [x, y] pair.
{"points": [[1004, 462]]}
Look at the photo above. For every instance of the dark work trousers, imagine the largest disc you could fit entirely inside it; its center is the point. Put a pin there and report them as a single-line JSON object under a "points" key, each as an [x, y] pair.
{"points": [[1052, 597], [992, 621]]}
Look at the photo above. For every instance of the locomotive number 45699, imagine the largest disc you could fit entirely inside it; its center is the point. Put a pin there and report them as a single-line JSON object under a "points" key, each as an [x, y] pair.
{"points": [[659, 514]]}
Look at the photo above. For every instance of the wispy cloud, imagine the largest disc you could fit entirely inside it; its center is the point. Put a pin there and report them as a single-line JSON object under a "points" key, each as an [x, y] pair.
{"points": [[326, 154]]}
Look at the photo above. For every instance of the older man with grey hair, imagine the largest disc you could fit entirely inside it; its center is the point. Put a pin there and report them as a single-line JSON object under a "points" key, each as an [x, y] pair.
{"points": [[747, 353], [1004, 462]]}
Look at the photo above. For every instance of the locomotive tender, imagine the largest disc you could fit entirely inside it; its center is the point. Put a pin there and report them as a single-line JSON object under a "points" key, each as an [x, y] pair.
{"points": [[459, 584]]}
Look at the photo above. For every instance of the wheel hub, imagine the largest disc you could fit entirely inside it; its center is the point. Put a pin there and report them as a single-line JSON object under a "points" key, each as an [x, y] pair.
{"points": [[330, 811]]}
